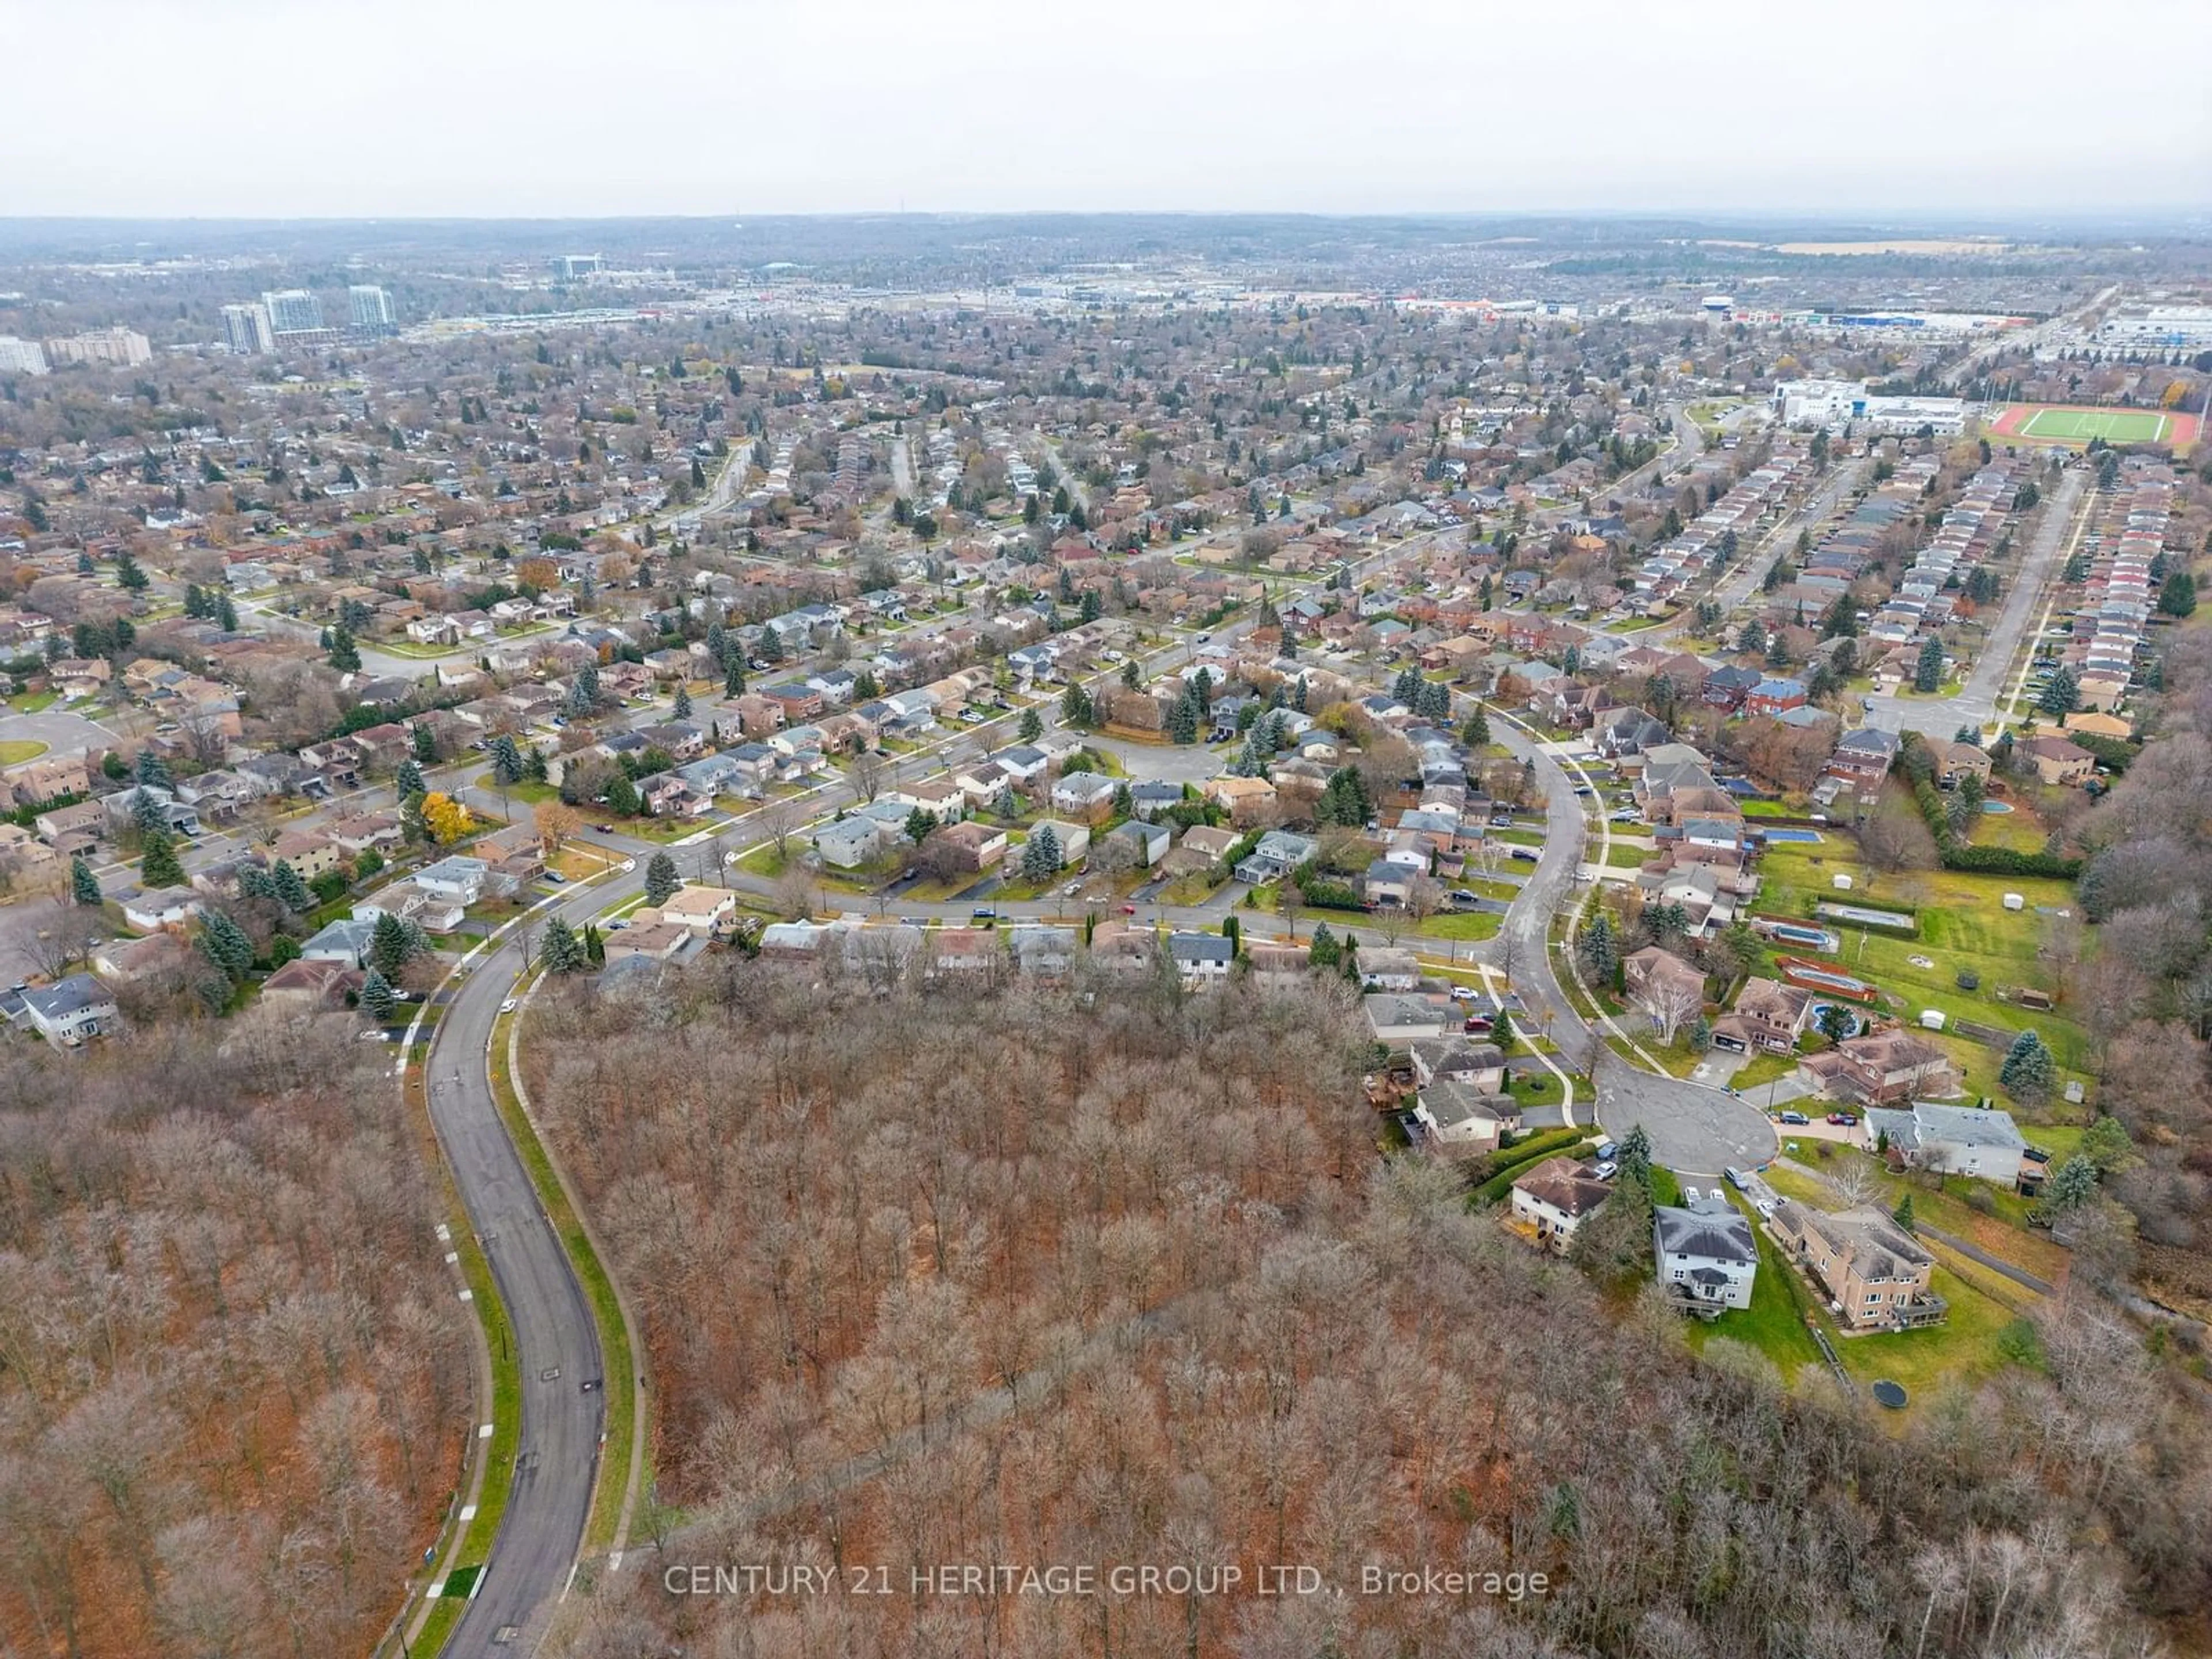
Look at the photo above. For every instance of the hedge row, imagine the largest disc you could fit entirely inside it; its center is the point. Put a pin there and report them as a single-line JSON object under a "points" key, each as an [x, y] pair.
{"points": [[1503, 1182]]}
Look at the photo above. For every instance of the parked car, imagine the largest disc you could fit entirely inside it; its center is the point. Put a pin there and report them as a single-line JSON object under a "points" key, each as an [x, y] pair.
{"points": [[556, 879], [1795, 1118], [1478, 1025], [1526, 854], [1070, 891], [507, 1006], [982, 913], [1607, 1150], [1128, 909], [1841, 1120], [1605, 1170], [1464, 993], [1735, 1177]]}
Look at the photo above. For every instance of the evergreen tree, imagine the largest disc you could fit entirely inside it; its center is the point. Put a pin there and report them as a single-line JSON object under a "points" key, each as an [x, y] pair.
{"points": [[152, 770], [561, 951], [1927, 670], [160, 867], [1598, 948], [682, 701], [733, 676], [2061, 694], [408, 782], [919, 823], [1075, 707], [1902, 1215], [1183, 721], [622, 797], [1132, 676], [2071, 1185], [390, 946], [291, 892], [2177, 596], [225, 944], [257, 883], [1041, 855], [1407, 688], [377, 999], [344, 654], [660, 882], [1475, 734], [148, 814], [1031, 726], [84, 886], [507, 766], [424, 742], [2028, 1070], [226, 614], [1323, 952]]}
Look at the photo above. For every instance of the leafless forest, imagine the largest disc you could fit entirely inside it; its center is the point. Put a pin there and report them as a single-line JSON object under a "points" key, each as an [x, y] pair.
{"points": [[1012, 1276], [235, 1383]]}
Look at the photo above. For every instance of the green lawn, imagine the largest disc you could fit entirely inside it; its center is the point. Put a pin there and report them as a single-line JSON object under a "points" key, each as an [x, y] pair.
{"points": [[1462, 925], [14, 751], [1774, 1323], [1963, 925], [31, 702], [2114, 426], [534, 795]]}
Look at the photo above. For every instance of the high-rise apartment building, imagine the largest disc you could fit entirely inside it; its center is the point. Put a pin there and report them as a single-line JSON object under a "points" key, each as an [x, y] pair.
{"points": [[21, 356], [247, 328], [293, 310], [372, 308], [118, 348]]}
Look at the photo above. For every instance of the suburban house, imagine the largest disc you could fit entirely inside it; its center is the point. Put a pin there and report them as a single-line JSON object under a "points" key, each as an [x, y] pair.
{"points": [[1553, 1198], [1952, 1140], [1277, 854], [978, 846], [847, 843], [700, 909], [1874, 1274], [344, 940], [70, 1010], [1201, 958], [2058, 761], [1083, 795], [1706, 1254], [1384, 969], [312, 983], [1767, 1018], [1881, 1069], [1460, 1116], [457, 879], [1074, 839], [1147, 844], [1863, 758], [1397, 1018], [1482, 1063]]}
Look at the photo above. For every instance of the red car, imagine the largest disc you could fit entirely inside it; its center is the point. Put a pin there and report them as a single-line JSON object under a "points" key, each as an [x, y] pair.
{"points": [[1842, 1120], [1128, 909]]}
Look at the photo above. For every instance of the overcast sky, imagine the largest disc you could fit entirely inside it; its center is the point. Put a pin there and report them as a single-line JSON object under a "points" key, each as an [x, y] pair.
{"points": [[494, 107]]}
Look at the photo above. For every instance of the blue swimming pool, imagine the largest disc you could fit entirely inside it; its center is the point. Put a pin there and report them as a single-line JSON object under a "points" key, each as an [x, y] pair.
{"points": [[1996, 806], [1792, 835]]}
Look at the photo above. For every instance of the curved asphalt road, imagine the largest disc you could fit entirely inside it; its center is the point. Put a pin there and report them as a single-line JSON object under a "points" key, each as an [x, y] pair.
{"points": [[556, 1460]]}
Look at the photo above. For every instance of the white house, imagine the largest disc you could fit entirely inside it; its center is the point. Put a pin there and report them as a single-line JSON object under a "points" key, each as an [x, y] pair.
{"points": [[70, 1010], [1952, 1140], [1707, 1256]]}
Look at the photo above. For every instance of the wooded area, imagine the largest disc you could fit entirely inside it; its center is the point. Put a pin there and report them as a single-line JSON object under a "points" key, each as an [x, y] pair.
{"points": [[1111, 1274], [236, 1386]]}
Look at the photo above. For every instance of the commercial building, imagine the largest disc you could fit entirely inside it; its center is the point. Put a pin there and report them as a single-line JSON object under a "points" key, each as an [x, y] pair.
{"points": [[21, 356], [1832, 405], [245, 329], [372, 308], [574, 267], [293, 310], [118, 348]]}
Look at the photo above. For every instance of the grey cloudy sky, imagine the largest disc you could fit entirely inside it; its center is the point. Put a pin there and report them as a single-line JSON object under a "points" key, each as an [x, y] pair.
{"points": [[388, 107]]}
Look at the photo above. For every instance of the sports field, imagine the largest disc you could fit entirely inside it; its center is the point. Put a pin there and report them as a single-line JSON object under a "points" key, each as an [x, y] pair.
{"points": [[2053, 423]]}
